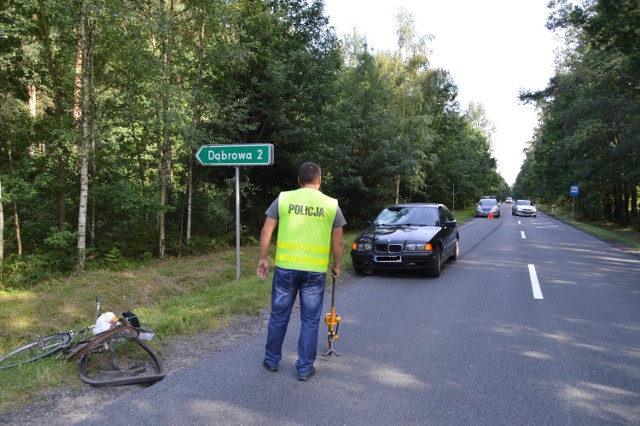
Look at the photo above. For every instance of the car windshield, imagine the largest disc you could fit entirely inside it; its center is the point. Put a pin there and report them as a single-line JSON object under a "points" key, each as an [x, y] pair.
{"points": [[524, 203], [488, 202], [403, 215]]}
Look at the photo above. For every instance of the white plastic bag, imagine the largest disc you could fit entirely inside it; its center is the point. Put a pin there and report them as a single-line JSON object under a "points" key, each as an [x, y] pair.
{"points": [[104, 323]]}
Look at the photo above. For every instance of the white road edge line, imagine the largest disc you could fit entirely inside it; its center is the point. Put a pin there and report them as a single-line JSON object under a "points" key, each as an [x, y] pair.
{"points": [[522, 235], [535, 285]]}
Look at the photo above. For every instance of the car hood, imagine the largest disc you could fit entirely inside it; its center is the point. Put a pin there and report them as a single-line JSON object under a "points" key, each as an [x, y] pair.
{"points": [[399, 233]]}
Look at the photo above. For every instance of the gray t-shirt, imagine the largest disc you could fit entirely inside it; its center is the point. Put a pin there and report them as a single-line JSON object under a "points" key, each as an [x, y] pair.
{"points": [[273, 213]]}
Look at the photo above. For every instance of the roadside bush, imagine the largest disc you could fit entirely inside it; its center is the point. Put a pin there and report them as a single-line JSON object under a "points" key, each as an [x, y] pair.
{"points": [[24, 272], [62, 253]]}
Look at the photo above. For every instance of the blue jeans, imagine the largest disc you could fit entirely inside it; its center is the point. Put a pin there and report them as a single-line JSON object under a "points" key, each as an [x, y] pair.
{"points": [[286, 285]]}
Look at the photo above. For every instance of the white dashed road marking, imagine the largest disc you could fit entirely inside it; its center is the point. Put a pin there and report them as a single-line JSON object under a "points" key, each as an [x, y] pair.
{"points": [[535, 285]]}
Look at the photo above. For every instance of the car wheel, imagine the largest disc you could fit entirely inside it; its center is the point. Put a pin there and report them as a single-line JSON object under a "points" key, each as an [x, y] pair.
{"points": [[363, 271], [456, 250], [436, 265]]}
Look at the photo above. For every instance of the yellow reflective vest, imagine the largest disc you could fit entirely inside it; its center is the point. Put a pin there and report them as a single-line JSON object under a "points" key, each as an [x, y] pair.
{"points": [[304, 229]]}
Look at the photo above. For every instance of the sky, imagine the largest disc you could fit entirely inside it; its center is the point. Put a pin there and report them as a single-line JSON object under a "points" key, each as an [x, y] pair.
{"points": [[491, 48]]}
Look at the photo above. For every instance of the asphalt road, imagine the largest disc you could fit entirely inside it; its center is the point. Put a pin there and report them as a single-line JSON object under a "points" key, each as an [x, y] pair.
{"points": [[480, 345]]}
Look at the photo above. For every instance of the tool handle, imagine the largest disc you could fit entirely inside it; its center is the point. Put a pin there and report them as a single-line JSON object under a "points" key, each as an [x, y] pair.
{"points": [[333, 291]]}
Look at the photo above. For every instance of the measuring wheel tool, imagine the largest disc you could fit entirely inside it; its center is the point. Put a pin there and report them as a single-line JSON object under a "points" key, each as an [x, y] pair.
{"points": [[333, 321]]}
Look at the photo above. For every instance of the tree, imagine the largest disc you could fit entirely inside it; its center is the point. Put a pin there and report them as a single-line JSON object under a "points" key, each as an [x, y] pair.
{"points": [[589, 115], [1, 235], [57, 93], [123, 103], [85, 115]]}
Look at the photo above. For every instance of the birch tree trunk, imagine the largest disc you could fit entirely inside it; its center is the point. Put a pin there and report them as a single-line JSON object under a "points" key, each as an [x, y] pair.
{"points": [[31, 89], [165, 148], [57, 111], [197, 107], [16, 216], [162, 190], [1, 236], [86, 143], [92, 106], [16, 222]]}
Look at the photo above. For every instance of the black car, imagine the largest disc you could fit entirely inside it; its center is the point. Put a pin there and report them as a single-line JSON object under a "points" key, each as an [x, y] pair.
{"points": [[408, 236]]}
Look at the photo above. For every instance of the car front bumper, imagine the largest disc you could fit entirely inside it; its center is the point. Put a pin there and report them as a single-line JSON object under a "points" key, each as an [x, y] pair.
{"points": [[486, 214], [392, 261]]}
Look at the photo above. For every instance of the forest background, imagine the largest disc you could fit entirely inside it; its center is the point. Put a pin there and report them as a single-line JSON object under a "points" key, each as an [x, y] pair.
{"points": [[104, 104]]}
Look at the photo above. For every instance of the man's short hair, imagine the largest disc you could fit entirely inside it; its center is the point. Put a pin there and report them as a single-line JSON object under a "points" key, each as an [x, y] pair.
{"points": [[309, 173]]}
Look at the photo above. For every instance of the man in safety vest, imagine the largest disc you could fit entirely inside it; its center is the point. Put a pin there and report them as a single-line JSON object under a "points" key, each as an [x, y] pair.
{"points": [[309, 228]]}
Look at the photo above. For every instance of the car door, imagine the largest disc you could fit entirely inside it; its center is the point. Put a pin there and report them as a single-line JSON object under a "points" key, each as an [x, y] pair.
{"points": [[448, 234]]}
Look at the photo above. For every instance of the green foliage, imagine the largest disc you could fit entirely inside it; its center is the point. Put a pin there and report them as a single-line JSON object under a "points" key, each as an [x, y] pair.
{"points": [[588, 134], [24, 272], [61, 245], [383, 126], [116, 261]]}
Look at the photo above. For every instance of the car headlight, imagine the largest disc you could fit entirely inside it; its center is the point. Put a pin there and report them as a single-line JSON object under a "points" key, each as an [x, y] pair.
{"points": [[479, 209], [417, 247], [362, 246], [413, 247], [495, 209]]}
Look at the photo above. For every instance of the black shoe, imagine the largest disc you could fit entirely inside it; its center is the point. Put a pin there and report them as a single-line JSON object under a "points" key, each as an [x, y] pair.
{"points": [[308, 375], [268, 368]]}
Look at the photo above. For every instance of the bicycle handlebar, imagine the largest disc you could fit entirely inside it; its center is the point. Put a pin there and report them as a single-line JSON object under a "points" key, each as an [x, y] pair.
{"points": [[97, 307]]}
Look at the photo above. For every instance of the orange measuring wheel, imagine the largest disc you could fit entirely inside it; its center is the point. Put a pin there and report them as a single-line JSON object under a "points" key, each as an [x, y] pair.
{"points": [[333, 321]]}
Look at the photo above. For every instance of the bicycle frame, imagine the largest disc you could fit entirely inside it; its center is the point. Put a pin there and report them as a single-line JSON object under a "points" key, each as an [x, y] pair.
{"points": [[77, 346]]}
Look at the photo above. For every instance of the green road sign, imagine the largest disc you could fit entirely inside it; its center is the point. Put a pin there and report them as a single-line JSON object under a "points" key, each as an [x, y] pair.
{"points": [[236, 155]]}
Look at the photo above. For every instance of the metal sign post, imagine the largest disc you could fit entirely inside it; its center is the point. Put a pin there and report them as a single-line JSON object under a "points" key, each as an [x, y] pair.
{"points": [[237, 223], [574, 191], [236, 155]]}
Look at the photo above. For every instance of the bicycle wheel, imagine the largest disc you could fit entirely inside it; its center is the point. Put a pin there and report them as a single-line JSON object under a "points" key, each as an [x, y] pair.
{"points": [[42, 347], [123, 361]]}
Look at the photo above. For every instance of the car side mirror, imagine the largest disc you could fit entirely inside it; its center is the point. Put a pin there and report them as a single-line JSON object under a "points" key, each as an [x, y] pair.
{"points": [[450, 223]]}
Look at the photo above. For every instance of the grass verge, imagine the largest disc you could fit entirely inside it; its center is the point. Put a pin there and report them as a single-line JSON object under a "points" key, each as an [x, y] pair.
{"points": [[172, 297], [603, 230]]}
